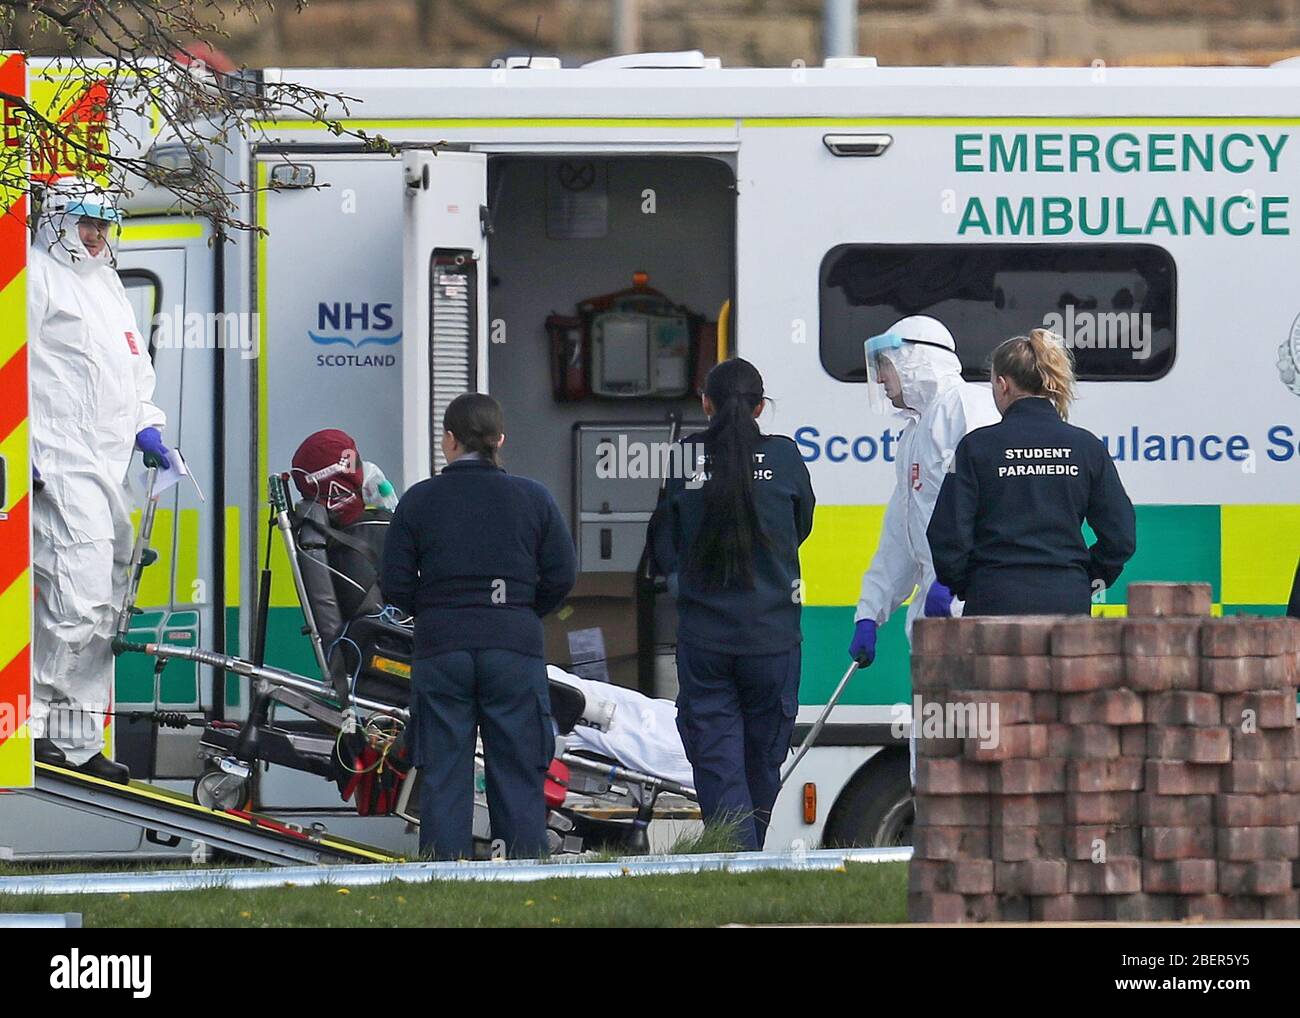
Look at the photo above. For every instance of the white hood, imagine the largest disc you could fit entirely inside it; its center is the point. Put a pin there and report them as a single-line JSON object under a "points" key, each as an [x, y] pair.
{"points": [[924, 372], [66, 201]]}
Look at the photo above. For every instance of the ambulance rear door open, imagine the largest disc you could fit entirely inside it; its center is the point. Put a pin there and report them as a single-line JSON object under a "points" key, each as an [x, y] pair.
{"points": [[166, 267], [444, 296]]}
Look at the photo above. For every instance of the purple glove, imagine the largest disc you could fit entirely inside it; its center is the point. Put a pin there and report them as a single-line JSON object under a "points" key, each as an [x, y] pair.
{"points": [[863, 647], [938, 601], [149, 441]]}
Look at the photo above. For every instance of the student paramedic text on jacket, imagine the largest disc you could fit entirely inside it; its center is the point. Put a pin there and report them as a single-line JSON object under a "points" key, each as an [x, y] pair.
{"points": [[731, 538], [478, 556], [1006, 534]]}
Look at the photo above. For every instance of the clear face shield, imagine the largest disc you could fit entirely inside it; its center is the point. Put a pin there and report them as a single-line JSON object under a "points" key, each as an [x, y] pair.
{"points": [[883, 383], [97, 216], [94, 234], [94, 207], [77, 225]]}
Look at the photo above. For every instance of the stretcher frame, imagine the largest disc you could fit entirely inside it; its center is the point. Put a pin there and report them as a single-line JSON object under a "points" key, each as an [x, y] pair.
{"points": [[605, 792]]}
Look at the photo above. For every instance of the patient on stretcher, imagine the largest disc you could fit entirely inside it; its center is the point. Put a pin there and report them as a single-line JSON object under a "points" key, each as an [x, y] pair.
{"points": [[340, 545], [641, 733]]}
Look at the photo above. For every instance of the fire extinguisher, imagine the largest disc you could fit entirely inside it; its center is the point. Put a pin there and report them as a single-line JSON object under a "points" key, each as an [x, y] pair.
{"points": [[568, 357]]}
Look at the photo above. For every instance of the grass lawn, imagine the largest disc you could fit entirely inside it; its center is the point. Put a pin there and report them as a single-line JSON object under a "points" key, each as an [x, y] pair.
{"points": [[858, 893]]}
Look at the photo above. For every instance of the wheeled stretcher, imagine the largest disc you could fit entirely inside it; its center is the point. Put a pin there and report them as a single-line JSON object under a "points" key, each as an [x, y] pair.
{"points": [[350, 728]]}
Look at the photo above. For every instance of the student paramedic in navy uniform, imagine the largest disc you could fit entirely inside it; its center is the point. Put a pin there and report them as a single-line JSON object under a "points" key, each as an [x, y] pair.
{"points": [[729, 539], [1006, 534], [478, 556]]}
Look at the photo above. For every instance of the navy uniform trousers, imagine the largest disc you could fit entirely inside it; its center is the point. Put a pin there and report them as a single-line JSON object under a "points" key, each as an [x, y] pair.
{"points": [[736, 714], [504, 694], [1028, 590]]}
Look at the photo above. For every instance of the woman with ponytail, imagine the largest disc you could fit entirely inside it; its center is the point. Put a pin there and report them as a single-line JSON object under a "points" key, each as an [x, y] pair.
{"points": [[1007, 531], [478, 556], [728, 537]]}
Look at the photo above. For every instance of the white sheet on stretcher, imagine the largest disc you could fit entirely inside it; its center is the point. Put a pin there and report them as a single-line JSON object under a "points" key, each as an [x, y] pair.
{"points": [[642, 735]]}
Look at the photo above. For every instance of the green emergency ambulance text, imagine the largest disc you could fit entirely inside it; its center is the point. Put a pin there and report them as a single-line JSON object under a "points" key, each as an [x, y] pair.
{"points": [[1187, 153]]}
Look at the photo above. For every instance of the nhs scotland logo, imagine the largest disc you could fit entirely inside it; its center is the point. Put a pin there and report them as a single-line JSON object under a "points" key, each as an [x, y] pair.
{"points": [[355, 325]]}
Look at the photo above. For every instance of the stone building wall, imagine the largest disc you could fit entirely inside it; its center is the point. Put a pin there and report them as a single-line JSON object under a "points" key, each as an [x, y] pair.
{"points": [[772, 32]]}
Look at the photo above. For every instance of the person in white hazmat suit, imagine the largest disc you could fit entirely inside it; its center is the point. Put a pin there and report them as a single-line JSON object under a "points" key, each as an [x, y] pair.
{"points": [[92, 405], [914, 366]]}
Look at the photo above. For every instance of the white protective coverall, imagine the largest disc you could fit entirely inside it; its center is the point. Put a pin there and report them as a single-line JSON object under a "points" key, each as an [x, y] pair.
{"points": [[92, 389], [941, 409]]}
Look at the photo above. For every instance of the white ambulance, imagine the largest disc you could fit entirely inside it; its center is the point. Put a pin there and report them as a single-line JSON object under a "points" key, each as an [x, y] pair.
{"points": [[1146, 214]]}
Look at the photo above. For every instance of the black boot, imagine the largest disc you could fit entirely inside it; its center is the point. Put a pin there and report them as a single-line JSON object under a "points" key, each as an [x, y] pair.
{"points": [[48, 753], [99, 766]]}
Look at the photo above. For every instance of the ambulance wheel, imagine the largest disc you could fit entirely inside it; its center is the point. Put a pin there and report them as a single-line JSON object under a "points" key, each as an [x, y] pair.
{"points": [[876, 808], [215, 789]]}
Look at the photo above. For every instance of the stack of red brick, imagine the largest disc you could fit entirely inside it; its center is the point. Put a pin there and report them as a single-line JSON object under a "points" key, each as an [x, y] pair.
{"points": [[1145, 767]]}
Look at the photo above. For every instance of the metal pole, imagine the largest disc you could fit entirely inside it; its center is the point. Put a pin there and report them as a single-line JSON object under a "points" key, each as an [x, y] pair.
{"points": [[840, 28], [614, 772], [279, 498], [140, 555], [241, 666], [817, 727], [627, 26]]}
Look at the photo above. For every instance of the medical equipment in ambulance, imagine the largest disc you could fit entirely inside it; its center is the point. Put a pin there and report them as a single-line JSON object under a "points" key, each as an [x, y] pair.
{"points": [[635, 343]]}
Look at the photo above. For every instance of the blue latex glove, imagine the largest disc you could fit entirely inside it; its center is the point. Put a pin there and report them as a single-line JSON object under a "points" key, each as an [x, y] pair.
{"points": [[149, 441], [863, 647], [938, 601]]}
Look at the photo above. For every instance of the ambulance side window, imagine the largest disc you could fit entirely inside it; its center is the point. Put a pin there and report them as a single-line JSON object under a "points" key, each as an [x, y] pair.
{"points": [[144, 291], [1113, 304]]}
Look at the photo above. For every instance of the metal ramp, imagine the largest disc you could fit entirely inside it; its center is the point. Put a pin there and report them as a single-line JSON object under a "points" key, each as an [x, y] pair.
{"points": [[236, 831]]}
